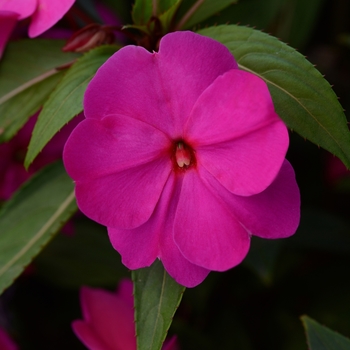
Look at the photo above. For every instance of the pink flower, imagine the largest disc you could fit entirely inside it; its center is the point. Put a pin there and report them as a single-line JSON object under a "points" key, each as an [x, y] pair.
{"points": [[44, 14], [182, 156], [336, 171], [109, 319], [6, 343]]}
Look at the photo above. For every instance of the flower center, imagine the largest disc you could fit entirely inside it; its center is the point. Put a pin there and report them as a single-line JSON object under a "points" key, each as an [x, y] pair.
{"points": [[183, 155]]}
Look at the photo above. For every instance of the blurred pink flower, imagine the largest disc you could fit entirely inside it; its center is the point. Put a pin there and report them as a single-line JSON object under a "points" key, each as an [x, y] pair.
{"points": [[6, 343], [108, 322], [336, 171], [182, 157], [44, 14], [12, 154]]}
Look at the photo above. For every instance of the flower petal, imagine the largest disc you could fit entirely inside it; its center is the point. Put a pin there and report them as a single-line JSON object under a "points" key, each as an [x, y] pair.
{"points": [[109, 317], [98, 148], [48, 13], [161, 88], [205, 230], [87, 336], [273, 213], [24, 9], [188, 64], [238, 136], [8, 21], [141, 246], [138, 247], [125, 291], [128, 83], [124, 199], [177, 266]]}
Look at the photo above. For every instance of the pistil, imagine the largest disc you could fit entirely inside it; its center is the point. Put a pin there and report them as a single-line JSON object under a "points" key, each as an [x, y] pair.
{"points": [[182, 155]]}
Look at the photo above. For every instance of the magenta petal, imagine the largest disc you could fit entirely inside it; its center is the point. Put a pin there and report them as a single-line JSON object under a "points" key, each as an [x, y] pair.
{"points": [[141, 246], [238, 136], [188, 64], [101, 147], [160, 88], [129, 84], [109, 318], [48, 13], [274, 213], [24, 9], [137, 247], [88, 337], [205, 230], [177, 266], [125, 291], [125, 199], [8, 21]]}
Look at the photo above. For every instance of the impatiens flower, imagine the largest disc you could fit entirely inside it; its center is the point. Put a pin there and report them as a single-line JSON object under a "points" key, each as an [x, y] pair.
{"points": [[43, 13], [109, 319], [182, 157]]}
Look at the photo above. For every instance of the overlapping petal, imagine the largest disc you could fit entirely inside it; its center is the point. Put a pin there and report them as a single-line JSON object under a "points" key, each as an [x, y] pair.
{"points": [[178, 267], [113, 144], [273, 213], [113, 159], [188, 63], [125, 199], [24, 9], [47, 13], [173, 260], [168, 83], [154, 239], [237, 134], [107, 93], [205, 230], [138, 247]]}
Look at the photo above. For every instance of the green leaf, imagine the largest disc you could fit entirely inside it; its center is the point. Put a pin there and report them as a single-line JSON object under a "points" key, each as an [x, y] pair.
{"points": [[83, 257], [322, 338], [157, 296], [142, 12], [195, 11], [66, 101], [29, 71], [30, 218], [302, 97], [166, 16], [15, 112]]}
